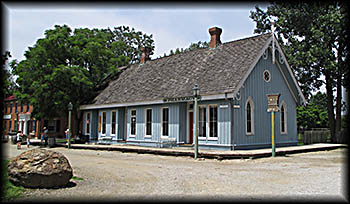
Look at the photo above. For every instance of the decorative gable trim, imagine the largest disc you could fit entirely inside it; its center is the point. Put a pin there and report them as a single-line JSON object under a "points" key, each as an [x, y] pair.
{"points": [[262, 51], [266, 46], [290, 71]]}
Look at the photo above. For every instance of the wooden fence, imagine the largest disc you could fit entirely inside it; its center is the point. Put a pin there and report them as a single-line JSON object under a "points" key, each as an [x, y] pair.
{"points": [[316, 135]]}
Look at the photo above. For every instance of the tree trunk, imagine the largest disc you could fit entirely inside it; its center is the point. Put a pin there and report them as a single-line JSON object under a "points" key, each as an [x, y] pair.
{"points": [[330, 108], [339, 90]]}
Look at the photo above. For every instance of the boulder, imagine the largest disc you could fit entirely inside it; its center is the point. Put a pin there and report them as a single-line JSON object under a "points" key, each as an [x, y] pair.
{"points": [[40, 168]]}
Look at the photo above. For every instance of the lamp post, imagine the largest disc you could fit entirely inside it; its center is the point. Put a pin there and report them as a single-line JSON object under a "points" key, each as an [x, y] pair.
{"points": [[70, 108], [196, 96]]}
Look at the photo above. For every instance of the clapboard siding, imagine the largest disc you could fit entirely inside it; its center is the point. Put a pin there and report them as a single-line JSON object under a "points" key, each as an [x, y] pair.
{"points": [[257, 89], [224, 122], [174, 122]]}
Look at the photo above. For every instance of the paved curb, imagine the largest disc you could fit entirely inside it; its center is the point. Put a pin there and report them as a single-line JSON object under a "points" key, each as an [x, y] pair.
{"points": [[210, 154]]}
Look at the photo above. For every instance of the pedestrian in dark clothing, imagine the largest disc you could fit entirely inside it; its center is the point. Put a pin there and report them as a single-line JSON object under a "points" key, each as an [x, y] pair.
{"points": [[46, 131]]}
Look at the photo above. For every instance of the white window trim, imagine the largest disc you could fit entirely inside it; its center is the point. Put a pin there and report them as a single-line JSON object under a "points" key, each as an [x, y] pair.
{"points": [[161, 123], [102, 123], [206, 121], [116, 116], [86, 114], [148, 136], [217, 129], [131, 135], [283, 104], [249, 99]]}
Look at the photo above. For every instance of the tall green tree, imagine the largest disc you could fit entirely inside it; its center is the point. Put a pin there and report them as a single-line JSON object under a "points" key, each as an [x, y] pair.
{"points": [[314, 114], [71, 66], [6, 76], [314, 37], [192, 46]]}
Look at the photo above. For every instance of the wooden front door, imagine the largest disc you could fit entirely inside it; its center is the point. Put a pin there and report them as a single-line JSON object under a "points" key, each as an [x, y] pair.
{"points": [[190, 125]]}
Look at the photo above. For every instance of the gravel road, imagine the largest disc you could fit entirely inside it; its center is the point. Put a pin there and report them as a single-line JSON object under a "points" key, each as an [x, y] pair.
{"points": [[111, 175]]}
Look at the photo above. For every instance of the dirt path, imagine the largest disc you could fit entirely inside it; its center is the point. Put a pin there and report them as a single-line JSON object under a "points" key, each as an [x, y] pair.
{"points": [[119, 176]]}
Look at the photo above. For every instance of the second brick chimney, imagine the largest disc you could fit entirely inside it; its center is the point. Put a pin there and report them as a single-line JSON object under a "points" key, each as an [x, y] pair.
{"points": [[215, 33], [145, 52]]}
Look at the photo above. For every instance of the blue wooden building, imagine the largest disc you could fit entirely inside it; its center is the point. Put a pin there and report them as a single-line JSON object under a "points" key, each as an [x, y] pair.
{"points": [[151, 103]]}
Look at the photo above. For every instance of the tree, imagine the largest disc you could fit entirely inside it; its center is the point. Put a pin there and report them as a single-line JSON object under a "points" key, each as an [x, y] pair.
{"points": [[67, 66], [314, 114], [193, 46], [314, 41], [6, 76]]}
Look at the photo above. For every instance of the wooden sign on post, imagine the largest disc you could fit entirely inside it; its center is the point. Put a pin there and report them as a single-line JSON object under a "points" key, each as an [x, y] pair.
{"points": [[272, 102]]}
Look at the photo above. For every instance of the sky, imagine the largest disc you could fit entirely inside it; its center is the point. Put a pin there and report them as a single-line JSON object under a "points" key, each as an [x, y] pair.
{"points": [[173, 25]]}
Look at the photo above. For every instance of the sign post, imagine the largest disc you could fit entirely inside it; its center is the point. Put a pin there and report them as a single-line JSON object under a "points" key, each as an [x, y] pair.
{"points": [[272, 101]]}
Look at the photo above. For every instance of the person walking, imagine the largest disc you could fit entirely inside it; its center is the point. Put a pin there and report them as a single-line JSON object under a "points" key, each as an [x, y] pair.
{"points": [[28, 140], [42, 136], [46, 135], [67, 134], [19, 139]]}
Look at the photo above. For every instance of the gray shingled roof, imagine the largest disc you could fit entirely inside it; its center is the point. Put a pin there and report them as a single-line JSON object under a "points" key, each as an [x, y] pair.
{"points": [[215, 71]]}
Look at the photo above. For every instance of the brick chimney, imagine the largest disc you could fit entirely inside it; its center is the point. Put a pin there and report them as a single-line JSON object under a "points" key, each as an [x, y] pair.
{"points": [[145, 54], [215, 33]]}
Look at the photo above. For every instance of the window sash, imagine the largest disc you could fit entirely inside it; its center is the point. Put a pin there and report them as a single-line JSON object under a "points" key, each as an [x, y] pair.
{"points": [[213, 123], [148, 121], [165, 122], [202, 121], [133, 122], [249, 122], [114, 122], [103, 123]]}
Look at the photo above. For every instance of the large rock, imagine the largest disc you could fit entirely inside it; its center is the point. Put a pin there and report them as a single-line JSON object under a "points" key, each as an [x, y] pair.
{"points": [[40, 168]]}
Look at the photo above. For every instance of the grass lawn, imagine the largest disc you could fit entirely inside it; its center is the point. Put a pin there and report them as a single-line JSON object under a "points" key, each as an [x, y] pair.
{"points": [[10, 191]]}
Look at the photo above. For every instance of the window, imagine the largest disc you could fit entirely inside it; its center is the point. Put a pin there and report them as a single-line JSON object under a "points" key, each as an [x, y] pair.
{"points": [[165, 121], [21, 107], [5, 123], [267, 75], [16, 107], [213, 123], [283, 118], [10, 107], [202, 121], [27, 107], [114, 122], [148, 121], [249, 117], [103, 132], [5, 112], [87, 123], [10, 124], [133, 122], [34, 127]]}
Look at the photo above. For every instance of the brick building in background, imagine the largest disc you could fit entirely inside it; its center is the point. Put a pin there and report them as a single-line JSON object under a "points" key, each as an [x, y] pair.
{"points": [[17, 116]]}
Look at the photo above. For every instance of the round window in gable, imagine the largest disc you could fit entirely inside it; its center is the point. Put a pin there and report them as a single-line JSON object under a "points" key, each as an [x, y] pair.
{"points": [[267, 76]]}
